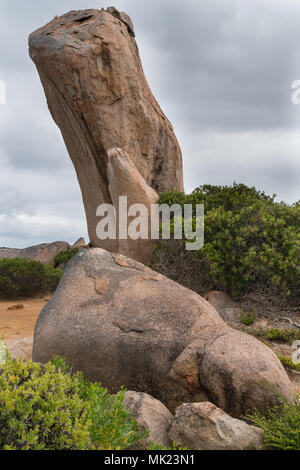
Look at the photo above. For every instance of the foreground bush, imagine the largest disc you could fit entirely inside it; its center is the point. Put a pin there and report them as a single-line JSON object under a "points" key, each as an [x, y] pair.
{"points": [[250, 241], [25, 278], [47, 408], [64, 256], [281, 426]]}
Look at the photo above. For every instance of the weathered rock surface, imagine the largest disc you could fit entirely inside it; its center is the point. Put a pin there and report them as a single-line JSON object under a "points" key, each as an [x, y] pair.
{"points": [[227, 308], [124, 324], [124, 178], [203, 426], [20, 347], [91, 71], [80, 243], [45, 253], [152, 416]]}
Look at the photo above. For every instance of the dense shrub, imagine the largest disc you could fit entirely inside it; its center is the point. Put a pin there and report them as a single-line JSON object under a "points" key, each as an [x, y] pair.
{"points": [[47, 408], [281, 426], [25, 278], [250, 241], [65, 256]]}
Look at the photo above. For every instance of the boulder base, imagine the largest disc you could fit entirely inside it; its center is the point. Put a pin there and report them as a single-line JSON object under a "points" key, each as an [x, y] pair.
{"points": [[124, 324]]}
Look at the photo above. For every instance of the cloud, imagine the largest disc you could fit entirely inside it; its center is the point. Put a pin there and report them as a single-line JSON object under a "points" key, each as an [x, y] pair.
{"points": [[222, 71]]}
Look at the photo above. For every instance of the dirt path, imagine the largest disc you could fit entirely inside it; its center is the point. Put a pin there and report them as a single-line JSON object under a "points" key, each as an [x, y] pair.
{"points": [[20, 323]]}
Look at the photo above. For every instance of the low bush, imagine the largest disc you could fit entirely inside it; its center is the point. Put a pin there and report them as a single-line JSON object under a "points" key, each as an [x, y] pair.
{"points": [[280, 425], [65, 256], [275, 334], [25, 278], [247, 318], [250, 241], [288, 363], [47, 408]]}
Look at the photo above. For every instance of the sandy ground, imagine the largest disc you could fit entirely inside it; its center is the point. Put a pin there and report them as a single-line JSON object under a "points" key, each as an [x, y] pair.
{"points": [[20, 323]]}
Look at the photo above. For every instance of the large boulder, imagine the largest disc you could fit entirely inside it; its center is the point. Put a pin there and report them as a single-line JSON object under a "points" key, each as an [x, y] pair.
{"points": [[152, 416], [124, 324], [203, 426], [97, 93]]}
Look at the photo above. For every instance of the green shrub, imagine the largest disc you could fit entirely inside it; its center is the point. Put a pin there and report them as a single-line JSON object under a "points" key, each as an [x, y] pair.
{"points": [[275, 334], [155, 446], [47, 408], [65, 256], [25, 278], [250, 241], [280, 425], [247, 319], [288, 363], [41, 409]]}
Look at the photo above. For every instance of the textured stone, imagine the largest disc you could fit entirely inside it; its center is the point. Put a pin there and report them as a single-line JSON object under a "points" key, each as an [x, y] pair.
{"points": [[227, 308], [80, 243], [20, 347], [45, 253], [91, 71], [203, 426], [152, 416], [153, 336]]}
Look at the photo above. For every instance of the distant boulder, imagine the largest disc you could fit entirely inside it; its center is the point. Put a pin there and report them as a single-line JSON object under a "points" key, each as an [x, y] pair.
{"points": [[80, 243], [45, 253]]}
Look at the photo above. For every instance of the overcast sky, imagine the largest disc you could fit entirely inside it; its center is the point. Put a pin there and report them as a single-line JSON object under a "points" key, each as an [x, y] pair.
{"points": [[222, 71]]}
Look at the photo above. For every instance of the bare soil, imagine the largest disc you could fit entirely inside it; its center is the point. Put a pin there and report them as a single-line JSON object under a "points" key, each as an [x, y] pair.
{"points": [[20, 323]]}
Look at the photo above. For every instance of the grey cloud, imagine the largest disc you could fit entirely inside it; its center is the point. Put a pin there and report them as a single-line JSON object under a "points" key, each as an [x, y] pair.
{"points": [[222, 71]]}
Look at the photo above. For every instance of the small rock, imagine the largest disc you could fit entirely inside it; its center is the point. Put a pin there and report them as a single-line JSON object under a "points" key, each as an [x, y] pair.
{"points": [[15, 307], [151, 415], [220, 300], [231, 314], [20, 347], [203, 426], [227, 308], [80, 243]]}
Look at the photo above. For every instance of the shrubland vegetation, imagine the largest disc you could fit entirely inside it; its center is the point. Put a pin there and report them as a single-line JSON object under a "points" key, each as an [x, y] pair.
{"points": [[45, 407], [281, 425], [65, 256], [250, 241], [25, 278]]}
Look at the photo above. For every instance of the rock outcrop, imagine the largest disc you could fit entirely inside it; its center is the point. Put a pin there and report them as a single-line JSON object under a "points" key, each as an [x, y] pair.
{"points": [[45, 253], [152, 416], [203, 426], [80, 243], [91, 71], [124, 324]]}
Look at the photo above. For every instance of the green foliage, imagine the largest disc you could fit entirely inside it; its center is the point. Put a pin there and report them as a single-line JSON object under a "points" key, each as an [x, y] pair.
{"points": [[281, 425], [65, 256], [288, 363], [25, 278], [275, 334], [154, 446], [250, 241], [40, 408], [247, 319], [48, 408]]}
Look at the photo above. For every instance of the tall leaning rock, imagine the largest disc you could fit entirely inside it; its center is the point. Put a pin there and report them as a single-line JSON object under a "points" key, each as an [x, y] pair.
{"points": [[97, 93]]}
